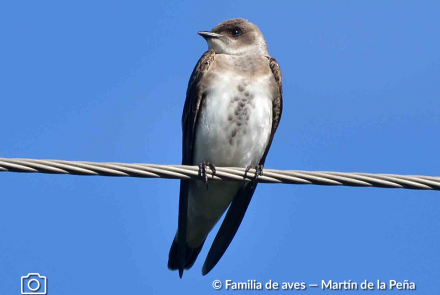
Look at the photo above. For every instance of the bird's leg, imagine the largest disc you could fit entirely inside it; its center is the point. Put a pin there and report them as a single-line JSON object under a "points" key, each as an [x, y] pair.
{"points": [[258, 171], [202, 171]]}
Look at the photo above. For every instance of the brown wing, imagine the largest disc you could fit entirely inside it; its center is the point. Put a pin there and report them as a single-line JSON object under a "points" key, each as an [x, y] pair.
{"points": [[181, 256], [277, 103], [194, 97], [241, 201]]}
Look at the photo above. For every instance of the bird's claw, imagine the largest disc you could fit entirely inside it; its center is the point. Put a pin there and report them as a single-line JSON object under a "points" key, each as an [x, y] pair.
{"points": [[202, 171], [258, 171]]}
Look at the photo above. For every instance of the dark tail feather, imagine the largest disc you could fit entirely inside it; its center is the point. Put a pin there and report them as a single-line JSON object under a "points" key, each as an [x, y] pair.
{"points": [[229, 227], [191, 256]]}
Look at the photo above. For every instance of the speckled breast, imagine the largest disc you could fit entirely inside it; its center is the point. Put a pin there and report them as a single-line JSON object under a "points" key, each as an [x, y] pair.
{"points": [[235, 119]]}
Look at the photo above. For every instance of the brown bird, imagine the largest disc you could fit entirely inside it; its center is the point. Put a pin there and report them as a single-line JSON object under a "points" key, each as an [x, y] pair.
{"points": [[232, 109]]}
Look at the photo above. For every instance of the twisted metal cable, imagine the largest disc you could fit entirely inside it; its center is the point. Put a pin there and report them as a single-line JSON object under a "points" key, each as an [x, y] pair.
{"points": [[222, 173]]}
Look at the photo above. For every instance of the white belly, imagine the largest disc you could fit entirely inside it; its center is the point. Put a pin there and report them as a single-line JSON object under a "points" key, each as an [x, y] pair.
{"points": [[233, 130], [235, 122]]}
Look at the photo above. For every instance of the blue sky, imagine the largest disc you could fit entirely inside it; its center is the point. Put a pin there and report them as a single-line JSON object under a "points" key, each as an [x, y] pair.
{"points": [[106, 81]]}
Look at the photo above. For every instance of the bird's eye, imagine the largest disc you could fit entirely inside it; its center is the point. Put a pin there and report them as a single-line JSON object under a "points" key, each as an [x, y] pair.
{"points": [[236, 32]]}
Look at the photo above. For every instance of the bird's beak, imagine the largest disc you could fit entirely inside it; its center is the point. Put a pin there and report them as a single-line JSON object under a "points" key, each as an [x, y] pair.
{"points": [[208, 35]]}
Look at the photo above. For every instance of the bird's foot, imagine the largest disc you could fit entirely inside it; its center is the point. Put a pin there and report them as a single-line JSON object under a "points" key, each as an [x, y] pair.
{"points": [[202, 171], [258, 171]]}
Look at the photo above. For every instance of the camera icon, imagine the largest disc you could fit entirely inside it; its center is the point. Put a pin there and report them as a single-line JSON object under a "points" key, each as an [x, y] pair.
{"points": [[33, 283]]}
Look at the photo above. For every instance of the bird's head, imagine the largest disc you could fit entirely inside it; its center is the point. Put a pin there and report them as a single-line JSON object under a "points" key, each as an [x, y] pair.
{"points": [[236, 36]]}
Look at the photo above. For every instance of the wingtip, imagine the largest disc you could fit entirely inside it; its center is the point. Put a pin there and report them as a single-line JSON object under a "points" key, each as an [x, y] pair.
{"points": [[229, 227], [205, 269], [210, 262], [180, 273]]}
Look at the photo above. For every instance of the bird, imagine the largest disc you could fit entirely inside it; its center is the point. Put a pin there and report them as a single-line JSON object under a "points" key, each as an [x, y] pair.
{"points": [[232, 110]]}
